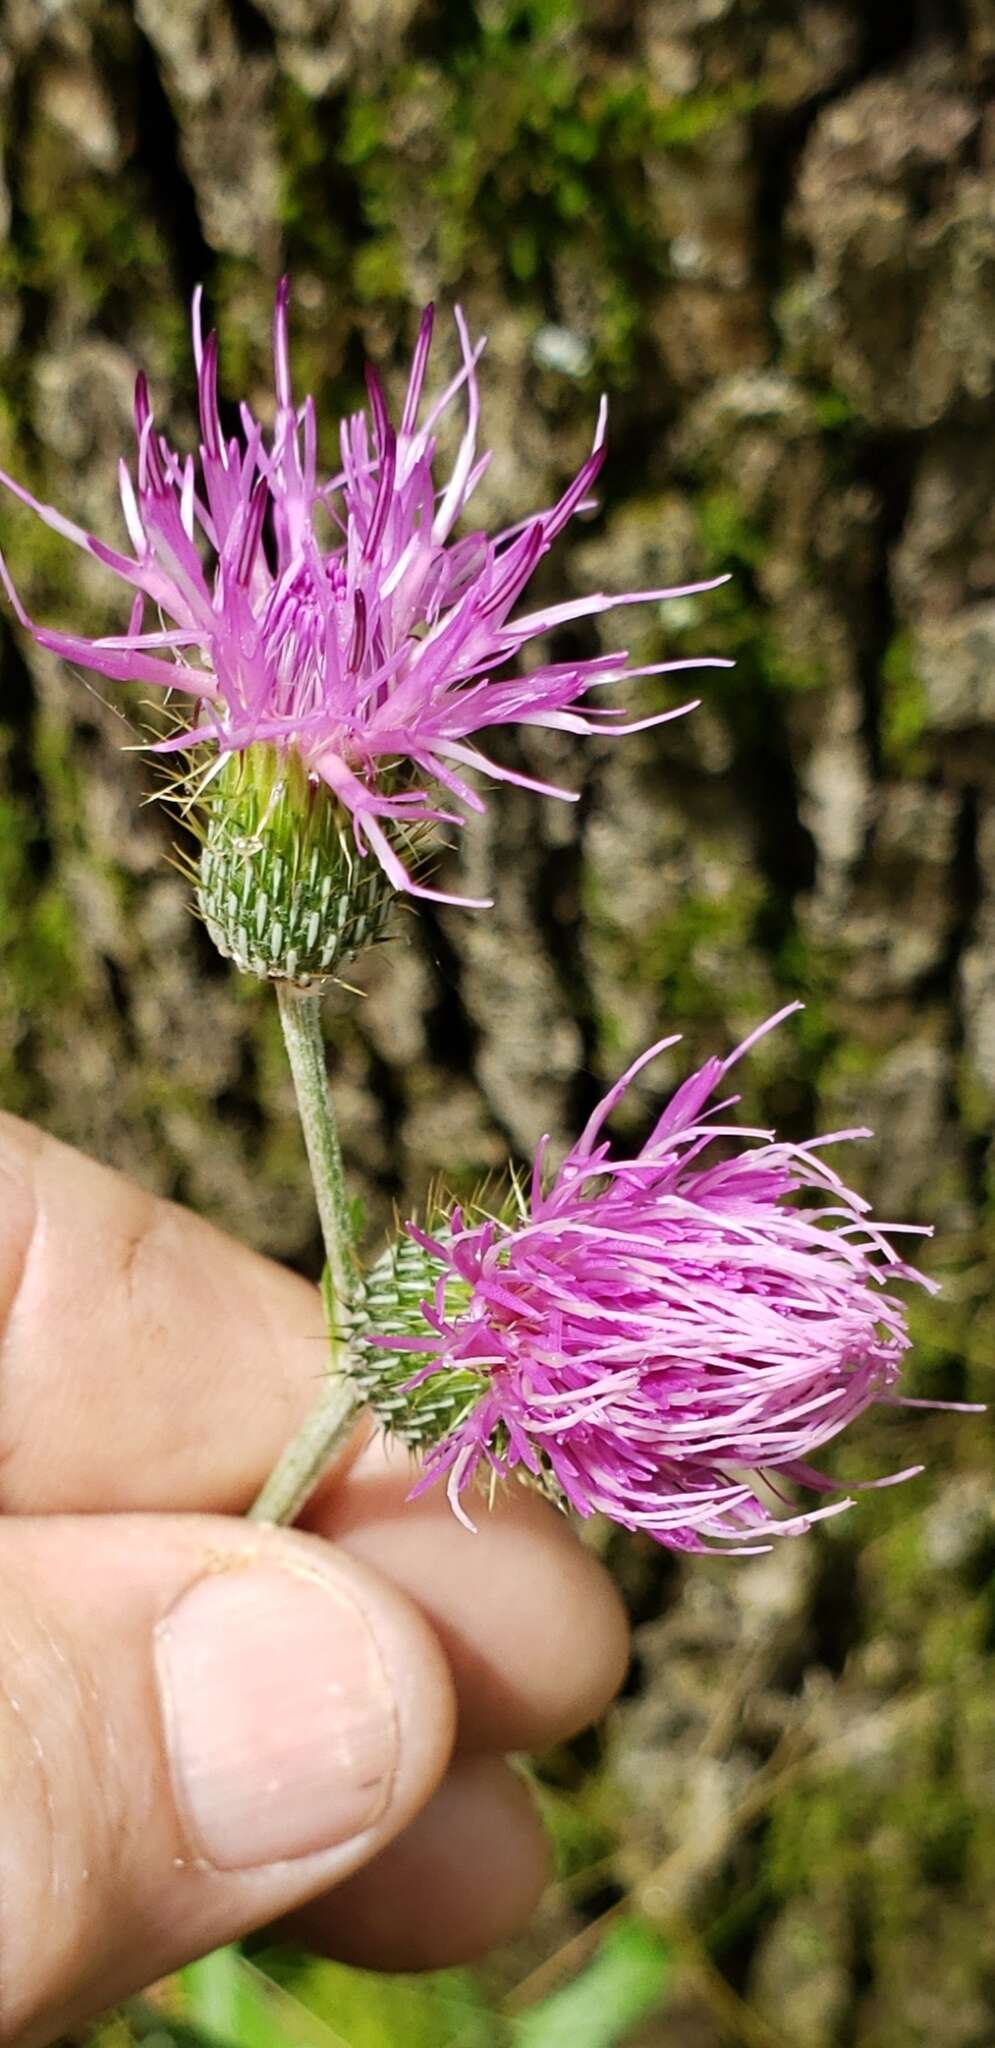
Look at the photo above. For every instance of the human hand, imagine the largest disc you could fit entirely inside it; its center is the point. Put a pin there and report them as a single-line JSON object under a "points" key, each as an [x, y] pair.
{"points": [[206, 1725]]}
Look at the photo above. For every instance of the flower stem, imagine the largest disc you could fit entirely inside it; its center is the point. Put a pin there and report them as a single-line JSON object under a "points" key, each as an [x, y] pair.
{"points": [[300, 1467], [300, 1015]]}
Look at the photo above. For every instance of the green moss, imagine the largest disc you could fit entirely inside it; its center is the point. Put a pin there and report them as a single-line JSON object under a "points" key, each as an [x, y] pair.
{"points": [[44, 565], [40, 965], [740, 621], [30, 956], [686, 953], [379, 271], [728, 535], [833, 411], [904, 709], [814, 1831], [517, 154], [311, 157], [85, 226]]}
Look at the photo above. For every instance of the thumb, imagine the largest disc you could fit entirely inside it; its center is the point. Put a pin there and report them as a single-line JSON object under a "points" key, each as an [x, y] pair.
{"points": [[202, 1726]]}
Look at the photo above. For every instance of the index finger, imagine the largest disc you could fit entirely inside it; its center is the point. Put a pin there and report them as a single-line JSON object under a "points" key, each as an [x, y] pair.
{"points": [[146, 1360]]}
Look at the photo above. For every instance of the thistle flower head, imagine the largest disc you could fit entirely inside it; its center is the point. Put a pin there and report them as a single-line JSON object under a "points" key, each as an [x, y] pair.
{"points": [[338, 619], [661, 1338]]}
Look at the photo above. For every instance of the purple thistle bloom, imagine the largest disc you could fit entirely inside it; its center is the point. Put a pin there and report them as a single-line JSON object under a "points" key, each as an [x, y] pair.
{"points": [[656, 1335], [337, 617]]}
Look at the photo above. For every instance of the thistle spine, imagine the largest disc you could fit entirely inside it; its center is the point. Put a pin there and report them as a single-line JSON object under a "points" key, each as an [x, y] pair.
{"points": [[418, 1410], [281, 887]]}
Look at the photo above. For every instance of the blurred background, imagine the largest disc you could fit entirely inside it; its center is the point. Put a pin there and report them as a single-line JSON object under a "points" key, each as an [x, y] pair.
{"points": [[767, 228]]}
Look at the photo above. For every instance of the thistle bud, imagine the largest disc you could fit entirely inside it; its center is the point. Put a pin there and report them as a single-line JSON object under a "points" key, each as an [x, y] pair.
{"points": [[280, 885], [344, 684], [417, 1406]]}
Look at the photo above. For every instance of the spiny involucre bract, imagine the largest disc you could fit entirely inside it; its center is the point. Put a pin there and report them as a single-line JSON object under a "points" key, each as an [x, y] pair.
{"points": [[662, 1337]]}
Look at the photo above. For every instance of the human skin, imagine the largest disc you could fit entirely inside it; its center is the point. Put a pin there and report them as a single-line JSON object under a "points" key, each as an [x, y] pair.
{"points": [[207, 1726]]}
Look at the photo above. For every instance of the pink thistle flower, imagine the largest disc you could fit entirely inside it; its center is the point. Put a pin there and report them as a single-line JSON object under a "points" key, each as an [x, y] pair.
{"points": [[337, 617], [664, 1338]]}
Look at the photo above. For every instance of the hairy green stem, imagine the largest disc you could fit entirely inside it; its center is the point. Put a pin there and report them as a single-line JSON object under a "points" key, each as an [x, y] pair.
{"points": [[296, 1474], [299, 1468], [300, 1015]]}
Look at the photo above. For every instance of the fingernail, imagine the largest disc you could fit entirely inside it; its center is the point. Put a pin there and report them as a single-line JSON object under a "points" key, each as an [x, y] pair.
{"points": [[279, 1719]]}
